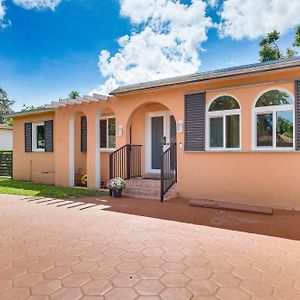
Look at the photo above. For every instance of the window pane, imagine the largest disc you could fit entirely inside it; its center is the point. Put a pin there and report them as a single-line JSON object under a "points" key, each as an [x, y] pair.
{"points": [[264, 123], [284, 128], [274, 97], [111, 133], [216, 132], [224, 103], [103, 134], [233, 131], [40, 137]]}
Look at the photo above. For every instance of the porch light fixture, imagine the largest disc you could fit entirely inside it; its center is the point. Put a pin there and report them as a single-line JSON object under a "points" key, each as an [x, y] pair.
{"points": [[120, 130], [180, 126]]}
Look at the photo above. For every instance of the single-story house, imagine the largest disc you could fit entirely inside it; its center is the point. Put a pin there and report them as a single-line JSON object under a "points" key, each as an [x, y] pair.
{"points": [[231, 135], [6, 137]]}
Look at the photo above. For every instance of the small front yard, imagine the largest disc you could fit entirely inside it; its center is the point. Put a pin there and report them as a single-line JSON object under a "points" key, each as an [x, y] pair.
{"points": [[15, 187]]}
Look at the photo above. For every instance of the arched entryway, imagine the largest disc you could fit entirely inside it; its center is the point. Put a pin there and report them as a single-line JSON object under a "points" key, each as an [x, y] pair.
{"points": [[153, 126]]}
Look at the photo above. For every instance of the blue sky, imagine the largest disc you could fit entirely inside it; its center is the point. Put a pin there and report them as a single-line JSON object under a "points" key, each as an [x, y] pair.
{"points": [[45, 53]]}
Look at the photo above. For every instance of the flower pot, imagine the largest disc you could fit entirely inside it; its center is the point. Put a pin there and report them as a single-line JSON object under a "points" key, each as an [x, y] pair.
{"points": [[117, 193]]}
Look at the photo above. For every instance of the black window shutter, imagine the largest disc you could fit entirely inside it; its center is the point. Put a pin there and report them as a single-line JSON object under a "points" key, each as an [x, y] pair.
{"points": [[83, 134], [28, 137], [103, 133], [194, 122], [297, 115], [49, 136]]}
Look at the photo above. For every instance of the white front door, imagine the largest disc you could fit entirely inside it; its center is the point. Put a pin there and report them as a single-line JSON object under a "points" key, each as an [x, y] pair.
{"points": [[158, 135]]}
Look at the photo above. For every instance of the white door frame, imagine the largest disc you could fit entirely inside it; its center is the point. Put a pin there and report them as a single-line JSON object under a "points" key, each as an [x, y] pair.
{"points": [[148, 133]]}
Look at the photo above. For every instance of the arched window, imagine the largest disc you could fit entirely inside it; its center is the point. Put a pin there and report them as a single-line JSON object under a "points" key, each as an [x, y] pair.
{"points": [[274, 120], [224, 123]]}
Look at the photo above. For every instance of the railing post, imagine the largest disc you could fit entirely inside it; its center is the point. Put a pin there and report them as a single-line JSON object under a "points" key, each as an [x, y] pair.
{"points": [[110, 170], [128, 154], [162, 177]]}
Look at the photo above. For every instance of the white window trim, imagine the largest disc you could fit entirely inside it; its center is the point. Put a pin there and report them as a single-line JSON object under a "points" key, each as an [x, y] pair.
{"points": [[223, 114], [34, 137], [107, 149], [272, 110]]}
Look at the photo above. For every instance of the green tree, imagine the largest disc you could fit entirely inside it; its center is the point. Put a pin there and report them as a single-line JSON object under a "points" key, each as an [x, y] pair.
{"points": [[74, 94], [297, 38], [5, 106], [269, 49]]}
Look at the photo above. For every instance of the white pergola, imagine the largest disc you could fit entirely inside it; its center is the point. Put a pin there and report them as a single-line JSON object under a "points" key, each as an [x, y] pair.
{"points": [[77, 100]]}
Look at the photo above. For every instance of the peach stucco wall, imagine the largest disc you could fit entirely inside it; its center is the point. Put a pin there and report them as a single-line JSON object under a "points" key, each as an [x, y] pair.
{"points": [[35, 166], [247, 176]]}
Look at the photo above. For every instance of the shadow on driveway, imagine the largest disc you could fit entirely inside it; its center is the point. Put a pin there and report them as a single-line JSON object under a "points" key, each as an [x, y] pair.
{"points": [[282, 223]]}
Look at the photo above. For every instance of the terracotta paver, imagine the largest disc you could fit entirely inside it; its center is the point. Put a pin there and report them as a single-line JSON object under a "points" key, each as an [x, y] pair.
{"points": [[98, 254], [76, 279], [125, 280], [121, 293]]}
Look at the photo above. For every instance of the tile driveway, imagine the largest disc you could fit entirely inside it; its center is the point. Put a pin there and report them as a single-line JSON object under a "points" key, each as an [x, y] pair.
{"points": [[50, 252]]}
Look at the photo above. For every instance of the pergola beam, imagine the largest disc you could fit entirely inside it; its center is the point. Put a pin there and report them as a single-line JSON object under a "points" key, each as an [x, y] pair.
{"points": [[78, 100], [100, 97]]}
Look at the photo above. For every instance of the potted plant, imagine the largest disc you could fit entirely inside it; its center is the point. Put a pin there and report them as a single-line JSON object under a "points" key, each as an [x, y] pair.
{"points": [[84, 180], [116, 185]]}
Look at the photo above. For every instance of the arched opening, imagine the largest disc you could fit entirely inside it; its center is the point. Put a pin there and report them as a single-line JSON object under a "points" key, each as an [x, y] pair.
{"points": [[78, 149], [106, 141], [153, 126]]}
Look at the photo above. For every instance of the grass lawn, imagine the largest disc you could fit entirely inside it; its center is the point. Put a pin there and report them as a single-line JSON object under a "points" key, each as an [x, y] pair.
{"points": [[15, 187]]}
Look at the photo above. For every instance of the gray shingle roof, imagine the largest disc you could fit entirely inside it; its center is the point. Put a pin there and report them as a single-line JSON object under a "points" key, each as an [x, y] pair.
{"points": [[29, 112], [216, 74]]}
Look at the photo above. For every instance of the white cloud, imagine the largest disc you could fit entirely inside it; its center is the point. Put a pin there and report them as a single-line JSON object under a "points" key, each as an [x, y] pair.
{"points": [[254, 18], [4, 23], [2, 11], [165, 41], [27, 4], [213, 3], [30, 4]]}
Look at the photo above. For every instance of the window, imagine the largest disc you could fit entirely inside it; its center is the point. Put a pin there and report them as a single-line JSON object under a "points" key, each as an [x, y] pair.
{"points": [[108, 133], [224, 124], [274, 121], [38, 137]]}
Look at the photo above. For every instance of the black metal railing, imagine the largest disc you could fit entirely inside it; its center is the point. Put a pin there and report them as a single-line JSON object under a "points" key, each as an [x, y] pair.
{"points": [[126, 162], [6, 163], [168, 173]]}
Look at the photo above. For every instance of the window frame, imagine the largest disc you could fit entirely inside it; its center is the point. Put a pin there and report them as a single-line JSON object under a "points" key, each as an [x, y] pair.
{"points": [[223, 114], [34, 137], [272, 109], [106, 149]]}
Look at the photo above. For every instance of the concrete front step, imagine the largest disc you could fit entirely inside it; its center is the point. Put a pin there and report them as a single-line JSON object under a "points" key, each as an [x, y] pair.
{"points": [[146, 188], [143, 183]]}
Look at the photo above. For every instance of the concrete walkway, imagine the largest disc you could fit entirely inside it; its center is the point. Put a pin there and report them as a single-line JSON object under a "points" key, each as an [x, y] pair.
{"points": [[56, 252]]}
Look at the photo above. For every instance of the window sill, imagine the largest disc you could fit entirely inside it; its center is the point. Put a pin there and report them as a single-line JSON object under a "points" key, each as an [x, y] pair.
{"points": [[38, 150], [108, 150]]}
